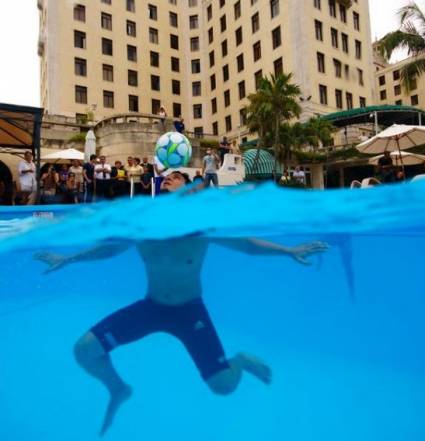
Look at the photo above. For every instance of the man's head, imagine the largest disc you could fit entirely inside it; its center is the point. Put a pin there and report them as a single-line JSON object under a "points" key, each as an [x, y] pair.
{"points": [[174, 181], [28, 156], [75, 163], [137, 161], [145, 160], [102, 159], [93, 158], [118, 164], [209, 151], [130, 160]]}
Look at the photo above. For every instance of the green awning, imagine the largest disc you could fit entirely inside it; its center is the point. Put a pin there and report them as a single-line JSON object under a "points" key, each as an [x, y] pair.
{"points": [[259, 164]]}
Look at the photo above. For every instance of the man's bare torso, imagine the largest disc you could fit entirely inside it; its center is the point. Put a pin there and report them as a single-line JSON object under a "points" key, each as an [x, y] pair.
{"points": [[173, 269]]}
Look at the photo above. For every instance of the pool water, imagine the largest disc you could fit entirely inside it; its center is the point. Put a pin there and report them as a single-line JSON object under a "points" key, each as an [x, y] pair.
{"points": [[344, 336]]}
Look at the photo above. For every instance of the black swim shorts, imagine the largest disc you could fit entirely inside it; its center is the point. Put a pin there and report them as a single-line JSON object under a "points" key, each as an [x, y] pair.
{"points": [[189, 322]]}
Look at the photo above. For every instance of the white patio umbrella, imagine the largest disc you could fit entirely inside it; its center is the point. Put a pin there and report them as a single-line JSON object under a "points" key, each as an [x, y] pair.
{"points": [[405, 158], [90, 145], [63, 156]]}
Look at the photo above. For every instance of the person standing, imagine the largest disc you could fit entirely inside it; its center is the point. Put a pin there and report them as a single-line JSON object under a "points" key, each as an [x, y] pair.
{"points": [[224, 148], [299, 176], [386, 168], [119, 179], [179, 125], [146, 163], [27, 179], [162, 116], [211, 163], [89, 181], [134, 171], [77, 169], [102, 172]]}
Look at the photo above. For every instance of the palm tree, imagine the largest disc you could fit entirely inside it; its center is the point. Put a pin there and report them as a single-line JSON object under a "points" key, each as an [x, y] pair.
{"points": [[410, 36], [274, 102], [318, 132]]}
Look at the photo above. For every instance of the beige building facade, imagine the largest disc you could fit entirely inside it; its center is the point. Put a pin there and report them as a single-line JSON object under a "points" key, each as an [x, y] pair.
{"points": [[201, 58]]}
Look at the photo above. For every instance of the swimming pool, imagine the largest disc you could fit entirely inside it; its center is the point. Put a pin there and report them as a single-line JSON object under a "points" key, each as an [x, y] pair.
{"points": [[344, 336]]}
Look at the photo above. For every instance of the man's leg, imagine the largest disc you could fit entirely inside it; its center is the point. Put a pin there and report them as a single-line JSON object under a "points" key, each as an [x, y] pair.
{"points": [[91, 356], [214, 179], [226, 381], [207, 180]]}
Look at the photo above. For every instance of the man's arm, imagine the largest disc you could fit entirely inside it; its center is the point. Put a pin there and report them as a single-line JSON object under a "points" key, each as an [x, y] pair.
{"points": [[259, 247], [100, 252]]}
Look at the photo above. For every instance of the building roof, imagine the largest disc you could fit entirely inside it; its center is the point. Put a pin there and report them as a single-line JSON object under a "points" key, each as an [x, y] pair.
{"points": [[259, 164], [19, 128], [387, 116]]}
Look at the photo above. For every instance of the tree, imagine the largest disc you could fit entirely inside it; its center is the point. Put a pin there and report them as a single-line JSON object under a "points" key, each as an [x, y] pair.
{"points": [[274, 102], [410, 36], [318, 132]]}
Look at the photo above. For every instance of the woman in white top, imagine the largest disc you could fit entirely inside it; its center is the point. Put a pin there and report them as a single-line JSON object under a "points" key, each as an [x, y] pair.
{"points": [[77, 169]]}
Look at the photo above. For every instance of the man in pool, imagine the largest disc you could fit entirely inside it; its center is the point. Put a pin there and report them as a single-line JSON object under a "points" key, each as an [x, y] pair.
{"points": [[173, 304]]}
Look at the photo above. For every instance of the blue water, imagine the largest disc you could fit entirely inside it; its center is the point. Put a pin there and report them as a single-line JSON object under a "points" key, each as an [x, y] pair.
{"points": [[347, 353]]}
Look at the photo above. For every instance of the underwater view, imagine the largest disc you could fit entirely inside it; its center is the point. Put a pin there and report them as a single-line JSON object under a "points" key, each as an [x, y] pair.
{"points": [[311, 325]]}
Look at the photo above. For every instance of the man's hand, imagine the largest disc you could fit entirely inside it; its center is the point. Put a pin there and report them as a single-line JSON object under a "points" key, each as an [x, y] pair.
{"points": [[301, 252]]}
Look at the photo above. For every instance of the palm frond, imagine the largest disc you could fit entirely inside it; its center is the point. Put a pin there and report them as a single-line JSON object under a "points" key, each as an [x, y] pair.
{"points": [[413, 12], [410, 72]]}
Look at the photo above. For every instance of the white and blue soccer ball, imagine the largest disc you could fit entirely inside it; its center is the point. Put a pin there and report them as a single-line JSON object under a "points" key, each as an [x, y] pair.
{"points": [[173, 150]]}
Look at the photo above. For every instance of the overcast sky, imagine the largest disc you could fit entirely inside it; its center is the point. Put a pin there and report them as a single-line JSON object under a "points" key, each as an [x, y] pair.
{"points": [[19, 70]]}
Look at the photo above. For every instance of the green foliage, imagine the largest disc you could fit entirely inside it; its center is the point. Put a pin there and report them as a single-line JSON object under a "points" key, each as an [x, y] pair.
{"points": [[209, 143], [410, 36], [79, 138]]}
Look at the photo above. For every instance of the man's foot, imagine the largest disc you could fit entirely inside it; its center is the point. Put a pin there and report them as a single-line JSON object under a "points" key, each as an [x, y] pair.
{"points": [[115, 402], [255, 367]]}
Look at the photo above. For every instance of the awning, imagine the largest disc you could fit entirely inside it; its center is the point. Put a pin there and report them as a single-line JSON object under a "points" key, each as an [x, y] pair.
{"points": [[260, 164]]}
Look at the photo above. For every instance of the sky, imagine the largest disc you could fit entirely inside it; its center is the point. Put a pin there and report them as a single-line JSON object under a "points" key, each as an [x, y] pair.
{"points": [[19, 70]]}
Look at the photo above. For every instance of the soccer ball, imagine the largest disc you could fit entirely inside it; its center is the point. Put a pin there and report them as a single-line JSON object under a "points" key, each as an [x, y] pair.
{"points": [[173, 150]]}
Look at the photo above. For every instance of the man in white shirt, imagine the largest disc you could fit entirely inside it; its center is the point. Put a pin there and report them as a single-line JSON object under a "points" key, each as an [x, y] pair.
{"points": [[299, 176], [27, 178], [102, 174]]}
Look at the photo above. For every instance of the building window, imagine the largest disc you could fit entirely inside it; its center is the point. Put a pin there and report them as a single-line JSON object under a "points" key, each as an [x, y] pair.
{"points": [[177, 110], [107, 72], [131, 53], [133, 78], [338, 68], [255, 22], [242, 91], [210, 35], [226, 96], [196, 66], [344, 40], [222, 3], [334, 37], [194, 44], [396, 75], [209, 12], [343, 13], [133, 103], [362, 101], [332, 8], [321, 62], [274, 8], [153, 35], [276, 37], [131, 6], [223, 23], [174, 41], [257, 50], [349, 98], [356, 20], [323, 93], [318, 26], [106, 21], [80, 13], [414, 100], [107, 46], [382, 80], [278, 67], [154, 58], [175, 87], [196, 88], [80, 67], [193, 22], [197, 111], [413, 84], [258, 76], [80, 39], [361, 77], [240, 62], [212, 58], [175, 64], [237, 9], [174, 20], [383, 95], [81, 94], [155, 106], [397, 90], [238, 36], [153, 12], [155, 82], [317, 4], [228, 122], [338, 99], [224, 49], [242, 117], [212, 82], [399, 103], [108, 99], [131, 28], [358, 49], [215, 128], [214, 106], [225, 72]]}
